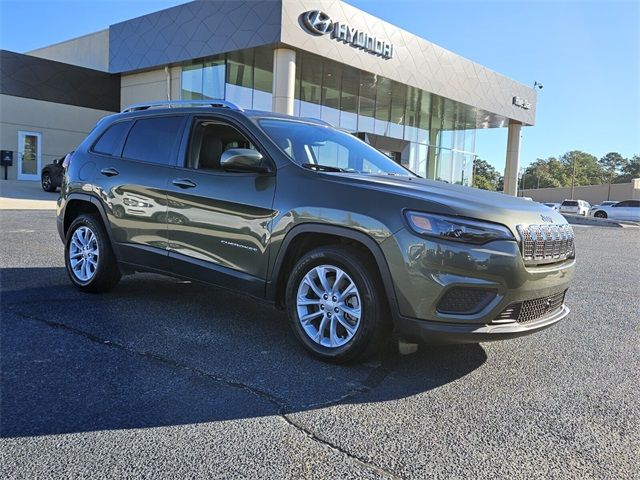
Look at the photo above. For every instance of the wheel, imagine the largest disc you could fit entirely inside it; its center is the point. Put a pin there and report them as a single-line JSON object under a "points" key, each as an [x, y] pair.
{"points": [[600, 214], [118, 211], [47, 182], [336, 305], [89, 258]]}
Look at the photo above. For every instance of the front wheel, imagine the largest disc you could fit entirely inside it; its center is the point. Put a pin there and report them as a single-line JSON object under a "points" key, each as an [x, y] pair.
{"points": [[89, 258], [336, 306], [600, 214]]}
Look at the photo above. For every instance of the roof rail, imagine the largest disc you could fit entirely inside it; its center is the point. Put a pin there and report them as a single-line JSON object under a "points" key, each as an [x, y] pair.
{"points": [[182, 103]]}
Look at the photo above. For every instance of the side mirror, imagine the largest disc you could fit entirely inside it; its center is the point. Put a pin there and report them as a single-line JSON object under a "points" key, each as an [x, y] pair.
{"points": [[243, 160]]}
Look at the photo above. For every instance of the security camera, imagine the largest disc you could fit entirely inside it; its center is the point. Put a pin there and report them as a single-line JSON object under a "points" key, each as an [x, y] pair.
{"points": [[538, 84]]}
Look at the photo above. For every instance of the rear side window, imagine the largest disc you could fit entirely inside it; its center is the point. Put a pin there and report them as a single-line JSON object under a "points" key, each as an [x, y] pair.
{"points": [[570, 204], [111, 140], [154, 139]]}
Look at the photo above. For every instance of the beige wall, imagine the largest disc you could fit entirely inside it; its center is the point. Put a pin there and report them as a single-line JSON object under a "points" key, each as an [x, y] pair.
{"points": [[90, 51], [149, 86], [62, 127], [594, 194]]}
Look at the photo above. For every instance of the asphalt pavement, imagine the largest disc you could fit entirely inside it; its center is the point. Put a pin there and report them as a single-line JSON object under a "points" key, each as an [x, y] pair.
{"points": [[162, 378]]}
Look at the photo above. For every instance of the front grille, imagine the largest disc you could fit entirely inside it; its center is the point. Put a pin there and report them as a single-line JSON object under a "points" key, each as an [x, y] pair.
{"points": [[546, 243], [465, 300], [530, 310]]}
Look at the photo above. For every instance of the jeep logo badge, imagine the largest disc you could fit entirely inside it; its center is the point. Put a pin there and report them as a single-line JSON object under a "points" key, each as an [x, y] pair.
{"points": [[317, 22], [546, 218]]}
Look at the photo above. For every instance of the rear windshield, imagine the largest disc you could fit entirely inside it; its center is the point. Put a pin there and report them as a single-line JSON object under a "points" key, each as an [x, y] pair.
{"points": [[570, 203]]}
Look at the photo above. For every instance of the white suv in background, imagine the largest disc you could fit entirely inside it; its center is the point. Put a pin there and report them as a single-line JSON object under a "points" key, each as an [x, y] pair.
{"points": [[575, 207]]}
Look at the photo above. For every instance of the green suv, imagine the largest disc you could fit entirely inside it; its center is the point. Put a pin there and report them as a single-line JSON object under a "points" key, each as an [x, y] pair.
{"points": [[313, 220]]}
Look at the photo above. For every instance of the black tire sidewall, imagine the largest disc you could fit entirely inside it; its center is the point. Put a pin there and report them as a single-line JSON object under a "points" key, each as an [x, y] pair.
{"points": [[352, 263], [104, 249]]}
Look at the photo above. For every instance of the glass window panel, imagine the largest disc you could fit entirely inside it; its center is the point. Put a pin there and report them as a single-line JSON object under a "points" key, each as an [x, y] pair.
{"points": [[383, 106], [213, 79], [367, 102], [154, 139], [239, 88], [349, 102], [311, 79], [444, 159], [263, 79], [191, 81], [331, 84], [397, 117]]}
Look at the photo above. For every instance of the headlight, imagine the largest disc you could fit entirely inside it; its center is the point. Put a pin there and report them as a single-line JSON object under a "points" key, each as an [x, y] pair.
{"points": [[457, 229]]}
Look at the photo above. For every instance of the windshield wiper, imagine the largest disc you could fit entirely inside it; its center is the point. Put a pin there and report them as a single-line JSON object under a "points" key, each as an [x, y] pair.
{"points": [[322, 168]]}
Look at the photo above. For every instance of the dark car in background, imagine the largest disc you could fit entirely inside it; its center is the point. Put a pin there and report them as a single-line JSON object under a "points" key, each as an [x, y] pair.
{"points": [[314, 221], [51, 175]]}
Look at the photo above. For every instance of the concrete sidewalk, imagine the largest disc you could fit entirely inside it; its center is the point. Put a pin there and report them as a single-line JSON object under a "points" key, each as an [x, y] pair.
{"points": [[25, 195]]}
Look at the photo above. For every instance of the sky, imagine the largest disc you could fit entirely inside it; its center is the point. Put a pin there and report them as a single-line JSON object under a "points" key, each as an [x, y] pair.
{"points": [[585, 53]]}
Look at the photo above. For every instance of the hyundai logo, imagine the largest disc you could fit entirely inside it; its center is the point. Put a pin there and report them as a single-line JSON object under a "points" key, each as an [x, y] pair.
{"points": [[317, 22]]}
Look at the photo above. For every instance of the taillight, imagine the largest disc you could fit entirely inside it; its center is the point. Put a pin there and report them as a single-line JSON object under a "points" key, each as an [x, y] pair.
{"points": [[67, 160]]}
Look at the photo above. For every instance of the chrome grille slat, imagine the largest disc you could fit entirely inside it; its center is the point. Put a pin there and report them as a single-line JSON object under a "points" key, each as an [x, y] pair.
{"points": [[545, 243]]}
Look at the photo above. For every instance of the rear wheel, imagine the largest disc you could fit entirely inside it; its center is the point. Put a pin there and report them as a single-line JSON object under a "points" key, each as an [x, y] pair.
{"points": [[89, 258], [600, 214], [47, 182], [335, 304]]}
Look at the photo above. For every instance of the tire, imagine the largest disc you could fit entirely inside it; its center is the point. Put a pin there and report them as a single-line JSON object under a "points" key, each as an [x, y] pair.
{"points": [[600, 214], [47, 182], [332, 342], [118, 211], [102, 274]]}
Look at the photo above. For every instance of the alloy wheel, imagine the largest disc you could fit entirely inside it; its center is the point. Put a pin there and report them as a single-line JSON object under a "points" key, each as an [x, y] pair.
{"points": [[84, 253], [329, 306]]}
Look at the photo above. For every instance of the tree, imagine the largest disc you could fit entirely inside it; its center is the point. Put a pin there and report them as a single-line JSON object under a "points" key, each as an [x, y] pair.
{"points": [[587, 169], [543, 174], [611, 163], [485, 176], [630, 170]]}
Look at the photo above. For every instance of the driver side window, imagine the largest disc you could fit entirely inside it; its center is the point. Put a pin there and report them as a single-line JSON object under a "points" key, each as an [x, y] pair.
{"points": [[209, 140]]}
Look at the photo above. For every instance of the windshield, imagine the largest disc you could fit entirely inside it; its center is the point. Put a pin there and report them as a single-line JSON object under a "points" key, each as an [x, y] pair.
{"points": [[325, 148]]}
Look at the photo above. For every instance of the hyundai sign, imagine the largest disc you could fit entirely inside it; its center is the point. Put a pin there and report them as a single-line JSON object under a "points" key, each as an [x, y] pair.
{"points": [[319, 23]]}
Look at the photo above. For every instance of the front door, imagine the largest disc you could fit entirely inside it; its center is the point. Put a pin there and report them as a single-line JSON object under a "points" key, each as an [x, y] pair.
{"points": [[29, 155], [220, 220]]}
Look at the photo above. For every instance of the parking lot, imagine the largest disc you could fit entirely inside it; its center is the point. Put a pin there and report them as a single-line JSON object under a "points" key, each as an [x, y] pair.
{"points": [[164, 378]]}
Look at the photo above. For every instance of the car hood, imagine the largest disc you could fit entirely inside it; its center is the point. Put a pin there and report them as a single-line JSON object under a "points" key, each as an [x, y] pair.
{"points": [[441, 197]]}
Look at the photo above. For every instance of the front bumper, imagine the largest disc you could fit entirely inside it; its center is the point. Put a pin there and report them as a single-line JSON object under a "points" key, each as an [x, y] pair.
{"points": [[423, 271], [427, 332]]}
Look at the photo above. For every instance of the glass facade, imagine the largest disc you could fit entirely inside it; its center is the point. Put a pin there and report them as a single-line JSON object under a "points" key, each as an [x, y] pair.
{"points": [[432, 136]]}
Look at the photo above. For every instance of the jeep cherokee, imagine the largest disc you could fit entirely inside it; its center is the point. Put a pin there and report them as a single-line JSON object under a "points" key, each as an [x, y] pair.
{"points": [[312, 219]]}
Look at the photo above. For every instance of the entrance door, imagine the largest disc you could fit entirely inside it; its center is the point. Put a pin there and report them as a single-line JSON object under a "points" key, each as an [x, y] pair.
{"points": [[29, 155]]}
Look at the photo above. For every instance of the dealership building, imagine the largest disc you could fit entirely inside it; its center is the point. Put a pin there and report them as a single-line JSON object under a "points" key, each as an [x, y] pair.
{"points": [[415, 101]]}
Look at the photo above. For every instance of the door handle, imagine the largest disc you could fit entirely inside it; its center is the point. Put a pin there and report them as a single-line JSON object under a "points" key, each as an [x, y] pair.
{"points": [[183, 183], [109, 172]]}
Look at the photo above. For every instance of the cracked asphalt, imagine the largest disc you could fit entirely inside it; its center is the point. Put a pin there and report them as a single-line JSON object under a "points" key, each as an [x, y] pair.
{"points": [[166, 379]]}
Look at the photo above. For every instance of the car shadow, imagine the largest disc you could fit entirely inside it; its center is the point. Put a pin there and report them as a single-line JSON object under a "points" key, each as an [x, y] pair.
{"points": [[157, 351]]}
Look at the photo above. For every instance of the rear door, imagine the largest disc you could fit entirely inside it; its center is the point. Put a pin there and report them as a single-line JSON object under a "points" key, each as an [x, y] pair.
{"points": [[219, 221], [136, 158], [626, 210]]}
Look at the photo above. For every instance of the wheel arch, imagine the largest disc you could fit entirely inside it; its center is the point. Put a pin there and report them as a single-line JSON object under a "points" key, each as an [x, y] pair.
{"points": [[79, 203], [303, 238]]}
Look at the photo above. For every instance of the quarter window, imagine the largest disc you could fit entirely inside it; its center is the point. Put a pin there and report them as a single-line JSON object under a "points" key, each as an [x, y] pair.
{"points": [[154, 140], [110, 142]]}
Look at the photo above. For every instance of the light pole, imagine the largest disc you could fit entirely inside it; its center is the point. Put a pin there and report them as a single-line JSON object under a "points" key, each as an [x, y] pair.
{"points": [[573, 175]]}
